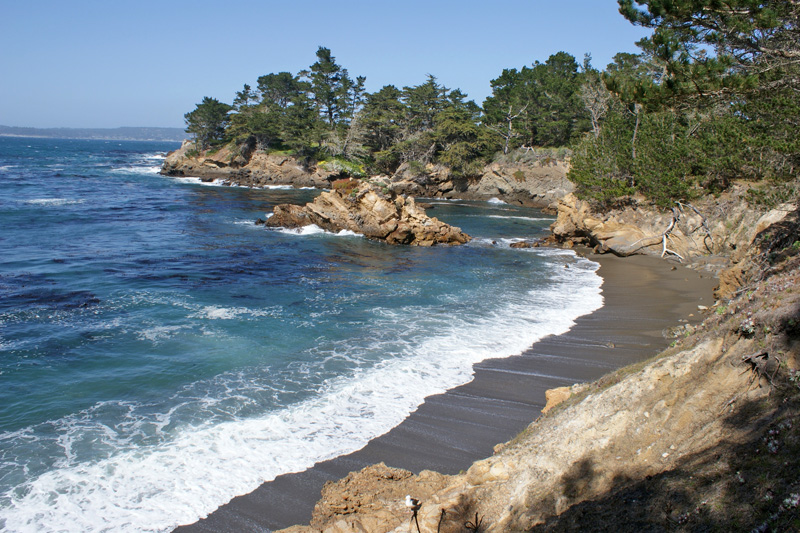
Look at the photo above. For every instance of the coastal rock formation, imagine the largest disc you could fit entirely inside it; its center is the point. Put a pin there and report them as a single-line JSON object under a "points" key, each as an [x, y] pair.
{"points": [[686, 436], [371, 500], [373, 211], [244, 166], [540, 184], [715, 233], [535, 184]]}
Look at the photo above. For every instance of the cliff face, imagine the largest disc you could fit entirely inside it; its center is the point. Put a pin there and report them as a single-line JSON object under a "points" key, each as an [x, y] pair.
{"points": [[251, 169], [539, 184], [702, 437], [715, 234]]}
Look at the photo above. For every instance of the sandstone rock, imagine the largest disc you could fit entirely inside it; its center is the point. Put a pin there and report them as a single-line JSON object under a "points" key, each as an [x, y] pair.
{"points": [[244, 166], [727, 231], [524, 244], [368, 210], [370, 500], [536, 185], [556, 396], [730, 280]]}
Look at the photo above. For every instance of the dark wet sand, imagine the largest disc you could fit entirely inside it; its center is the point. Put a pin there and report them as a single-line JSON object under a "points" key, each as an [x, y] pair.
{"points": [[642, 297]]}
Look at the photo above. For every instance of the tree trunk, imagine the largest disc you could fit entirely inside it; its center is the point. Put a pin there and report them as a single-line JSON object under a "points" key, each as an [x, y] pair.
{"points": [[637, 108]]}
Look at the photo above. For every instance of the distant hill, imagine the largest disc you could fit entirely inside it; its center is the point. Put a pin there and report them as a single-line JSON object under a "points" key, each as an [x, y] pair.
{"points": [[110, 134]]}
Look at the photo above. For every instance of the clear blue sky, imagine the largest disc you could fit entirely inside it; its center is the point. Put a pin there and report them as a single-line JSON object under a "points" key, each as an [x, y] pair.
{"points": [[110, 63]]}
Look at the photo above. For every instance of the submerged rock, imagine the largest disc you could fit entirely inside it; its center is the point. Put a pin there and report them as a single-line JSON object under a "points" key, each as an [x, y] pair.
{"points": [[368, 209]]}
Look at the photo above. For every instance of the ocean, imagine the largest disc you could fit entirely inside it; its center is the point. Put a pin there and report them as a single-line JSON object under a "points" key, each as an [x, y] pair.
{"points": [[161, 354]]}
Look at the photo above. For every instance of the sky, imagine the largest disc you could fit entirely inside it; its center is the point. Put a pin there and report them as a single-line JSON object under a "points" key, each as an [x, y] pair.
{"points": [[112, 63]]}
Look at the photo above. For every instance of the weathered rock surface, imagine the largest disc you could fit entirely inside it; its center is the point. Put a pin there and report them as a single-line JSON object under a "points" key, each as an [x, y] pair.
{"points": [[247, 168], [716, 237], [366, 208], [538, 184], [653, 420], [535, 185], [371, 500]]}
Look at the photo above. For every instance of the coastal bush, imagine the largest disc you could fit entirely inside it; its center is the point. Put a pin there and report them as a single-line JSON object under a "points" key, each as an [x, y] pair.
{"points": [[416, 168], [533, 156], [338, 165], [773, 193], [345, 185]]}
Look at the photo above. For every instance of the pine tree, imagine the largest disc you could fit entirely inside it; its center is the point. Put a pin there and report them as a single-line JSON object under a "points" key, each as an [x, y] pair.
{"points": [[208, 121]]}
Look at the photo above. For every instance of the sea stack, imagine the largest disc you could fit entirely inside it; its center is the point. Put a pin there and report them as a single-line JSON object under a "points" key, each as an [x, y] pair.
{"points": [[367, 208]]}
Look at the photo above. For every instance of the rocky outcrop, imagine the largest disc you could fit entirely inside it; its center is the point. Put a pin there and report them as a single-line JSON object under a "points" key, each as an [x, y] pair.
{"points": [[537, 184], [713, 234], [540, 184], [534, 184], [245, 167], [372, 210], [371, 500]]}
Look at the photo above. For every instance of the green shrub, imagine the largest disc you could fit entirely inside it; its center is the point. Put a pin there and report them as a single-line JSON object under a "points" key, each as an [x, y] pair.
{"points": [[339, 165], [417, 168]]}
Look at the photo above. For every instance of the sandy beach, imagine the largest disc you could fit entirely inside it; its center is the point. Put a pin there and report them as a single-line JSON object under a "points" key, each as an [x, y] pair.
{"points": [[642, 297]]}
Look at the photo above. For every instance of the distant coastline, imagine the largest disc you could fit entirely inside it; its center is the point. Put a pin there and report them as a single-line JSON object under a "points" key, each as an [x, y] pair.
{"points": [[100, 134]]}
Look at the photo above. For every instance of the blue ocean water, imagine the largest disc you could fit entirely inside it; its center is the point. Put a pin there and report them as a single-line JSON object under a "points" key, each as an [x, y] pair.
{"points": [[161, 354]]}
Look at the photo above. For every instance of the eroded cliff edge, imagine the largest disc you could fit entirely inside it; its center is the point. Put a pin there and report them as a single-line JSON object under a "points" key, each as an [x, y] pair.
{"points": [[535, 183], [703, 436]]}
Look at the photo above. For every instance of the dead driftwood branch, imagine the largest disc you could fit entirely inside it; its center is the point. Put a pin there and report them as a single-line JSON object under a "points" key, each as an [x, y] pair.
{"points": [[666, 235], [676, 216], [761, 365], [653, 240], [703, 224], [475, 526]]}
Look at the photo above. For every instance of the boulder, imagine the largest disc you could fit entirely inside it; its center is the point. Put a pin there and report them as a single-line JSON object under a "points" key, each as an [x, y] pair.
{"points": [[524, 244], [371, 210], [537, 185]]}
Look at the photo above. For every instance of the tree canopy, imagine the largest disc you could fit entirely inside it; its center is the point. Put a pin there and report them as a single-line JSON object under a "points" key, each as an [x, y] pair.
{"points": [[208, 121], [711, 97]]}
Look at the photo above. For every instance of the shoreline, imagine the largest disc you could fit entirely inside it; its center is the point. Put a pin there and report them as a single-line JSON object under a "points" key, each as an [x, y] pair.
{"points": [[642, 296]]}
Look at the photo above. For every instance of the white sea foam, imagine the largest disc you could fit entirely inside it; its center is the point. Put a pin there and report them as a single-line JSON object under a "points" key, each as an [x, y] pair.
{"points": [[213, 312], [495, 201], [197, 181], [138, 170], [52, 202], [313, 229], [533, 219], [159, 333], [194, 469]]}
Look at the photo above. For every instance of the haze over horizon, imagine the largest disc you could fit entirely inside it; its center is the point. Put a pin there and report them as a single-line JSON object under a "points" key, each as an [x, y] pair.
{"points": [[104, 65]]}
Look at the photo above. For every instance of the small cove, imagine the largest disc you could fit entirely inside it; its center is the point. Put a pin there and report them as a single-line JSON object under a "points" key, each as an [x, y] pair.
{"points": [[156, 345]]}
